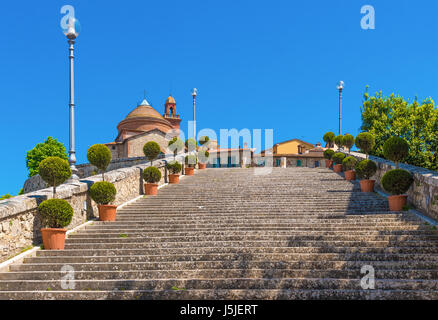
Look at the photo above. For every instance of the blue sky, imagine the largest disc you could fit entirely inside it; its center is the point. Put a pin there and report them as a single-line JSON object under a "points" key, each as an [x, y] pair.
{"points": [[256, 64]]}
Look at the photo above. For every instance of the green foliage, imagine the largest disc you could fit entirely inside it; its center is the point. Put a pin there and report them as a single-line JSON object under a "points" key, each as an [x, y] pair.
{"points": [[21, 192], [174, 167], [55, 213], [365, 169], [397, 181], [176, 145], [203, 140], [99, 156], [348, 141], [339, 140], [6, 196], [191, 144], [338, 157], [191, 160], [349, 163], [365, 142], [203, 156], [49, 148], [329, 138], [103, 192], [54, 171], [417, 123], [151, 175], [395, 149], [151, 150], [328, 154]]}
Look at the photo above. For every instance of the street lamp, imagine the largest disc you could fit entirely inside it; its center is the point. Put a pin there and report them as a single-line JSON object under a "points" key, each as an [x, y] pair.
{"points": [[340, 88], [194, 94], [71, 31]]}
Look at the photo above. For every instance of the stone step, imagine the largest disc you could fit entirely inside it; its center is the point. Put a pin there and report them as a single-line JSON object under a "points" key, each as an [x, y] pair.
{"points": [[223, 294], [214, 283]]}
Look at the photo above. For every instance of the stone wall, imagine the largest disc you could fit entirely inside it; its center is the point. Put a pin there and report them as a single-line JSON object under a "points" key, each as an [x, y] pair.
{"points": [[423, 193], [19, 219], [84, 170]]}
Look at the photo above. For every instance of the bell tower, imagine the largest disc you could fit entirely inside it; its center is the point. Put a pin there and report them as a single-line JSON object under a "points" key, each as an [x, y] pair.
{"points": [[170, 112]]}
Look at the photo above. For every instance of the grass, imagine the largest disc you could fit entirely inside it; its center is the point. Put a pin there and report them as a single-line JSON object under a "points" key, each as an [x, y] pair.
{"points": [[123, 235], [407, 207], [175, 288], [25, 249]]}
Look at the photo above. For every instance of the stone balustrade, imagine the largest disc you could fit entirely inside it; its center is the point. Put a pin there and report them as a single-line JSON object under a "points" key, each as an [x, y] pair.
{"points": [[423, 193], [19, 219]]}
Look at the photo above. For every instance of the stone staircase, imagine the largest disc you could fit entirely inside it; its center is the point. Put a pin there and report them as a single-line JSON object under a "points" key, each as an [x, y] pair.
{"points": [[297, 233]]}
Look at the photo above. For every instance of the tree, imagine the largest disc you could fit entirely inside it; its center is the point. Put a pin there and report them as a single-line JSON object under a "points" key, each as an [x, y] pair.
{"points": [[99, 156], [339, 140], [365, 142], [49, 148], [6, 196], [396, 149], [151, 150], [176, 145], [416, 122], [329, 138], [54, 171], [348, 141]]}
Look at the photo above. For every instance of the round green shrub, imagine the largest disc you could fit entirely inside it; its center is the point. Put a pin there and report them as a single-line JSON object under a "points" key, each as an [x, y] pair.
{"points": [[365, 169], [365, 142], [54, 171], [191, 160], [349, 163], [329, 138], [397, 181], [395, 149], [151, 175], [338, 157], [103, 192], [174, 167], [348, 141], [55, 213], [99, 156], [328, 154], [191, 144], [339, 140], [151, 150], [176, 145], [203, 140], [203, 156]]}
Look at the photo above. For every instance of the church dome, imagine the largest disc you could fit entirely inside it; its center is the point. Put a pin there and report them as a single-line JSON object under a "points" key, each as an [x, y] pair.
{"points": [[144, 110], [170, 100]]}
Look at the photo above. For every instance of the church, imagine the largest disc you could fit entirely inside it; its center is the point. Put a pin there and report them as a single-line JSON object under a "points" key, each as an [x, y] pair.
{"points": [[144, 124]]}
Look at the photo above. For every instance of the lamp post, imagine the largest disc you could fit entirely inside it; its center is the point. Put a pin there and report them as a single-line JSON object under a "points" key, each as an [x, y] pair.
{"points": [[340, 88], [71, 32], [194, 94]]}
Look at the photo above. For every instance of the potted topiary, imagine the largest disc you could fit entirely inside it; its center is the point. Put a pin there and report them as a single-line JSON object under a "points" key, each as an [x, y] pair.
{"points": [[348, 141], [204, 140], [339, 141], [151, 150], [365, 142], [329, 138], [395, 149], [190, 161], [176, 145], [191, 145], [348, 165], [337, 159], [103, 193], [328, 154], [365, 169], [99, 156], [152, 176], [56, 214], [397, 182], [174, 168], [203, 159]]}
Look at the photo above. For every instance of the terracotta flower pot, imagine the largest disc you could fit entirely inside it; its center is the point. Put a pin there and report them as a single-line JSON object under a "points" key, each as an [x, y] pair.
{"points": [[396, 203], [350, 175], [53, 238], [174, 178], [337, 168], [107, 212], [367, 185], [189, 171], [202, 166], [151, 189], [328, 163]]}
